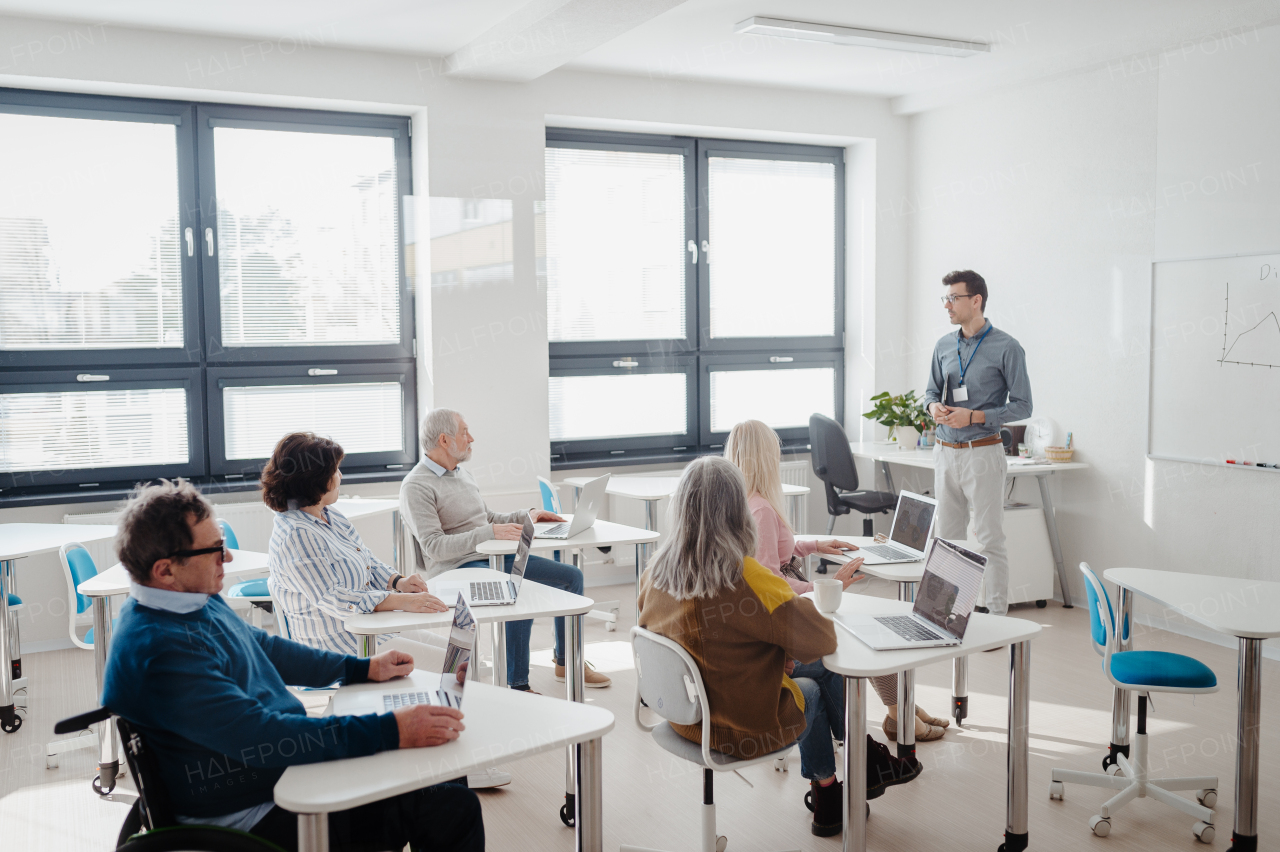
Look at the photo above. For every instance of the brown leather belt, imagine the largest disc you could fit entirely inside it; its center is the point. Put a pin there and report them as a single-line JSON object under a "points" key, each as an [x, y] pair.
{"points": [[981, 442]]}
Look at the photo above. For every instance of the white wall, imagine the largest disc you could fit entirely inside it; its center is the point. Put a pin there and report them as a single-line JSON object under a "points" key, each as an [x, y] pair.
{"points": [[485, 139], [1061, 194]]}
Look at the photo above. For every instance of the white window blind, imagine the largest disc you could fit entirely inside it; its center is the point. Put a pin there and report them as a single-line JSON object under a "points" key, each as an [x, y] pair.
{"points": [[89, 242], [772, 240], [69, 430], [364, 417], [780, 398], [615, 244], [583, 408], [306, 244]]}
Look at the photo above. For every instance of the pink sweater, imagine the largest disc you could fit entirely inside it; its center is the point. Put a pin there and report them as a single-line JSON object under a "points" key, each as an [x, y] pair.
{"points": [[776, 544]]}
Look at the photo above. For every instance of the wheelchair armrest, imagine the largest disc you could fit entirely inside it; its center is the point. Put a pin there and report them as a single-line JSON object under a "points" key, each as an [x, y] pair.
{"points": [[84, 720]]}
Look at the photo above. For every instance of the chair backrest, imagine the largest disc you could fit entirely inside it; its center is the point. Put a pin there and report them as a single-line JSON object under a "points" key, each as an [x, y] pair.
{"points": [[1101, 626], [831, 457], [550, 497], [667, 678], [77, 566], [229, 534], [153, 800]]}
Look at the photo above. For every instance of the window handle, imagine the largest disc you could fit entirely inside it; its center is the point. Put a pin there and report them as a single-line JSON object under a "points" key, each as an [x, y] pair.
{"points": [[90, 377], [780, 359], [191, 244], [627, 362], [316, 371], [693, 252], [208, 239], [706, 251]]}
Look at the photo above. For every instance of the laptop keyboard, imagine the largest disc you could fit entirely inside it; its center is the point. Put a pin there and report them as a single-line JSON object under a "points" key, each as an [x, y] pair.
{"points": [[907, 628], [558, 529], [487, 590], [408, 699], [886, 552]]}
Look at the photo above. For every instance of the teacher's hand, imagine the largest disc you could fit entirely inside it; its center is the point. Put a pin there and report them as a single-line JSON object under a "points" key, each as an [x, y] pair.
{"points": [[956, 418]]}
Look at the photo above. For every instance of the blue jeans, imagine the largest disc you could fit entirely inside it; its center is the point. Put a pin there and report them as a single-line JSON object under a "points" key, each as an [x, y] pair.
{"points": [[541, 570], [823, 718]]}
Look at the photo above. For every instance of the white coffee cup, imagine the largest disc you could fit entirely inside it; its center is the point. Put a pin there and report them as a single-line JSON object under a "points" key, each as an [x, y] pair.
{"points": [[827, 594]]}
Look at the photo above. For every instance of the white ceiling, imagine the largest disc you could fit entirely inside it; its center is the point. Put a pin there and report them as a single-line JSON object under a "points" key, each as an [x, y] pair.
{"points": [[694, 40]]}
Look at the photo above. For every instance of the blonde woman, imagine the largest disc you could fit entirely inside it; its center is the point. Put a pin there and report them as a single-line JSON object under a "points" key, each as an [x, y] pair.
{"points": [[754, 449], [746, 629]]}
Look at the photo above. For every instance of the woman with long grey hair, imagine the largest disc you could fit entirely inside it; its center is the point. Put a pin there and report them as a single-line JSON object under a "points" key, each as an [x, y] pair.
{"points": [[746, 628]]}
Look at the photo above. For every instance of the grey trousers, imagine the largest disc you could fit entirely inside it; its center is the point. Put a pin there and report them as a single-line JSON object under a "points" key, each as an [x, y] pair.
{"points": [[974, 478]]}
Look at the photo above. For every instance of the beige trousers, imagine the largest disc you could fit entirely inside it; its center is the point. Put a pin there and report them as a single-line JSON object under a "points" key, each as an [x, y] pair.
{"points": [[973, 479]]}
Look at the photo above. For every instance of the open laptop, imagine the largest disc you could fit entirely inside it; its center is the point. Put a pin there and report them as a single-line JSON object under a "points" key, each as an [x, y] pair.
{"points": [[489, 592], [457, 662], [909, 537], [944, 603], [590, 500]]}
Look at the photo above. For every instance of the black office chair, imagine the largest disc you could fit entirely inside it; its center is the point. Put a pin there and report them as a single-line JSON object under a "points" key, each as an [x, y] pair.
{"points": [[150, 825], [833, 463]]}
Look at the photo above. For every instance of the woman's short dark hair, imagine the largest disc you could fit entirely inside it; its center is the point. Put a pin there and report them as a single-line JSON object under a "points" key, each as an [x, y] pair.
{"points": [[974, 284], [156, 522], [299, 471]]}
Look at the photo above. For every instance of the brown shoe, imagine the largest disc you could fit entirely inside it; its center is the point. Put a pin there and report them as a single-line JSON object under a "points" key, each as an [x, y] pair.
{"points": [[930, 733], [593, 679], [932, 720]]}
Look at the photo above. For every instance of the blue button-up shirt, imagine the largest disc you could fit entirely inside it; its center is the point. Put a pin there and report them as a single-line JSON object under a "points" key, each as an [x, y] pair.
{"points": [[996, 379]]}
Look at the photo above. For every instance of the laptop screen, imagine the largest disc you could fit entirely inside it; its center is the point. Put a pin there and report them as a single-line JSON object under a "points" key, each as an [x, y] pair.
{"points": [[522, 554], [457, 657], [912, 521], [949, 587]]}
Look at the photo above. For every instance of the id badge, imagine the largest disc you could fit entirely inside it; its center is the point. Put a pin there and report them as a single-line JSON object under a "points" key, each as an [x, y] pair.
{"points": [[960, 394]]}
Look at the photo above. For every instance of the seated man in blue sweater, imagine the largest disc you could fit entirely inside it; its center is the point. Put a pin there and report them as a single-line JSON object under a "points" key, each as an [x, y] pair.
{"points": [[208, 692]]}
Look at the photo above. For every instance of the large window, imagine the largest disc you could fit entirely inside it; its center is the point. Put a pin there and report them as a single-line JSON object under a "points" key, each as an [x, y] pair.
{"points": [[181, 284], [691, 284]]}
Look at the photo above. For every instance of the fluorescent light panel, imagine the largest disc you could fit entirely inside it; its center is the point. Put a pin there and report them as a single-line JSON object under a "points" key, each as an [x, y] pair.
{"points": [[852, 36]]}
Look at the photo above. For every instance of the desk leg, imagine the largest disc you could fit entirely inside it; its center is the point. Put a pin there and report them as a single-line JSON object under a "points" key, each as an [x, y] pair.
{"points": [[313, 833], [1046, 506], [1121, 697], [397, 550], [108, 759], [855, 764], [906, 591], [1015, 832], [499, 635], [10, 721], [797, 513], [960, 689], [1248, 722], [907, 714], [575, 681], [589, 816], [888, 477]]}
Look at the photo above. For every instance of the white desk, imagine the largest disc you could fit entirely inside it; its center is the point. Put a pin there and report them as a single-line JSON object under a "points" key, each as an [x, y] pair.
{"points": [[1246, 609], [16, 542], [535, 601], [857, 662], [502, 726], [651, 489], [923, 459]]}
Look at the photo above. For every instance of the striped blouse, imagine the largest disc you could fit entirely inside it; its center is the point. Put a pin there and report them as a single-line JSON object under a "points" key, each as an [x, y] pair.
{"points": [[321, 574]]}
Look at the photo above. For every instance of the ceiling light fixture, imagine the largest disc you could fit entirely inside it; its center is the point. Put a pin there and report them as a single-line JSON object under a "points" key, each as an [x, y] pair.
{"points": [[853, 36]]}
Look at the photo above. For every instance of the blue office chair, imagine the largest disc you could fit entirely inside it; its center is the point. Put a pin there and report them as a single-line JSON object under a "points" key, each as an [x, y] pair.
{"points": [[12, 723], [550, 501], [1143, 672], [254, 591]]}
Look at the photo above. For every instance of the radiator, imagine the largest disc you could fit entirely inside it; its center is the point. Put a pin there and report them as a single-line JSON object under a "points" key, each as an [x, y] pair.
{"points": [[795, 472]]}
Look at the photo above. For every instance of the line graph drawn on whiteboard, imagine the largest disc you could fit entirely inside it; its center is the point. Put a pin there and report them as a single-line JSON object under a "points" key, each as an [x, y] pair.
{"points": [[1256, 346]]}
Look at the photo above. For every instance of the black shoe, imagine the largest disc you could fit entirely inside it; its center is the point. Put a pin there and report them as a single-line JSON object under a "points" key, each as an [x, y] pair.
{"points": [[981, 609], [885, 771], [827, 804]]}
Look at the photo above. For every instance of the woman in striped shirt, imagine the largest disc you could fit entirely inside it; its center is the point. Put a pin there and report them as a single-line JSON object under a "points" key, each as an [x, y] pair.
{"points": [[321, 571]]}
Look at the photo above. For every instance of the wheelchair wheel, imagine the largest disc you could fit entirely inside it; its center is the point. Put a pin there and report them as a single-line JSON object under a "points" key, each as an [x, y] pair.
{"points": [[205, 838], [132, 824]]}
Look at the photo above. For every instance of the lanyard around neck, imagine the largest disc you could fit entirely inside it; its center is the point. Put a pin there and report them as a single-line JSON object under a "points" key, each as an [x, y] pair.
{"points": [[964, 368]]}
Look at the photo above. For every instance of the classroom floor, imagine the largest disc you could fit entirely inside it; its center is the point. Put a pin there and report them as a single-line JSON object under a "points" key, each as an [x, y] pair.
{"points": [[653, 799]]}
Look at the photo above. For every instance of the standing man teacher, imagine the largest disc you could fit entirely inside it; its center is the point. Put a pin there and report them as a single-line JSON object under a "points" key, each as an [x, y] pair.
{"points": [[977, 383]]}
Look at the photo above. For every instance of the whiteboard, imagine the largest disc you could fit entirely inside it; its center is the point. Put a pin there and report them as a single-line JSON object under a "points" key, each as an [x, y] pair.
{"points": [[1215, 360]]}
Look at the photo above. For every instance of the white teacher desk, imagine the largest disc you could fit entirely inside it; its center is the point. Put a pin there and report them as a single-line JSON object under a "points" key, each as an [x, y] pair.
{"points": [[1246, 609], [502, 726], [18, 541], [651, 489], [857, 662], [889, 453]]}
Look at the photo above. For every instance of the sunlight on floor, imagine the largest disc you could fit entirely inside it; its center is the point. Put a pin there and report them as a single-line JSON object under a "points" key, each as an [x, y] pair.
{"points": [[65, 815], [604, 656]]}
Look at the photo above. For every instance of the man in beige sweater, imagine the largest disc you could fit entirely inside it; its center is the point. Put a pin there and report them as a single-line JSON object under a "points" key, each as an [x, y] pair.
{"points": [[441, 505]]}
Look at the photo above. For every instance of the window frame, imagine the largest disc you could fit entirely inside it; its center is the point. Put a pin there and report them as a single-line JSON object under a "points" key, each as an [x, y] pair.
{"points": [[738, 361], [211, 116], [101, 107], [124, 378]]}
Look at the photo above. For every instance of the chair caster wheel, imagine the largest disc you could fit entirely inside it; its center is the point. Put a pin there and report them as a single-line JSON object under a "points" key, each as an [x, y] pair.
{"points": [[1057, 790], [1114, 769], [780, 765], [1203, 831], [1100, 826], [1208, 798], [98, 788], [51, 762], [565, 816], [1041, 604], [11, 722], [721, 843]]}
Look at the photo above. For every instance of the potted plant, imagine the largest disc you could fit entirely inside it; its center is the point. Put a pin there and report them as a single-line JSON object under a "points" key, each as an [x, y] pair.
{"points": [[904, 414]]}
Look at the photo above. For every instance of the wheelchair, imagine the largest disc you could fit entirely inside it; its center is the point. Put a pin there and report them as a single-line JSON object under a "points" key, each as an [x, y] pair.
{"points": [[150, 825]]}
